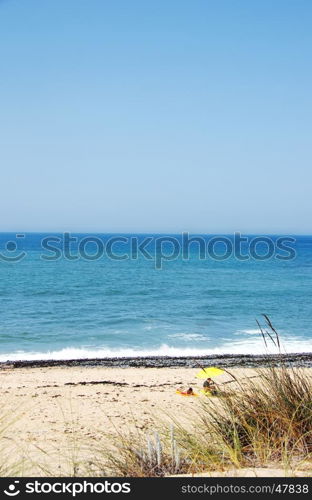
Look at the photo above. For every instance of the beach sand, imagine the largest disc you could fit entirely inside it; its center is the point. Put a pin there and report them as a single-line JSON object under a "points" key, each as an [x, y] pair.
{"points": [[57, 413]]}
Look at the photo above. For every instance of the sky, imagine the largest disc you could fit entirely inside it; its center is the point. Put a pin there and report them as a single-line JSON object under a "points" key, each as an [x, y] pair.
{"points": [[163, 116]]}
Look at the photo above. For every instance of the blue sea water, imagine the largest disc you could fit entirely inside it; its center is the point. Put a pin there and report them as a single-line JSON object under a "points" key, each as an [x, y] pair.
{"points": [[57, 306]]}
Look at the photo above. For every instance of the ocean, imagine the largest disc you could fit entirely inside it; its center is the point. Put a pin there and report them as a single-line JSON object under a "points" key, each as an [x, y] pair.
{"points": [[86, 296]]}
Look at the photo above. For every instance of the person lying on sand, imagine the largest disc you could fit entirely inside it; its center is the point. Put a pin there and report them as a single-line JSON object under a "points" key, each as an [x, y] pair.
{"points": [[209, 386], [189, 392]]}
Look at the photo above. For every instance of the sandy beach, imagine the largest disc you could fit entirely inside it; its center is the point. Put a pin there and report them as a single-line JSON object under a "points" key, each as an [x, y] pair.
{"points": [[56, 412], [56, 404]]}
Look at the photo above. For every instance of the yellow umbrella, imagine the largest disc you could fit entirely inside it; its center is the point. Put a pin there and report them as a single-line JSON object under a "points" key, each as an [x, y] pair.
{"points": [[210, 371]]}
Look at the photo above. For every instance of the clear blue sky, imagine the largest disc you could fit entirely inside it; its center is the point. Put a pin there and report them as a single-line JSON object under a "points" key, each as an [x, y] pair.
{"points": [[163, 115]]}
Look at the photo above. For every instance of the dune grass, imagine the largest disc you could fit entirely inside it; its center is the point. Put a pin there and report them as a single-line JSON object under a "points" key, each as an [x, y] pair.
{"points": [[139, 455], [12, 456], [269, 419]]}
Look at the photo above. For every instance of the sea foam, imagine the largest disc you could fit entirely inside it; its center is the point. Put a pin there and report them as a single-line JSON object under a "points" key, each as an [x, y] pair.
{"points": [[255, 346]]}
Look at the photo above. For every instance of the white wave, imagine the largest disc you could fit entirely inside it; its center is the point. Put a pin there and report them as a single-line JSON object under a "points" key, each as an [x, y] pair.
{"points": [[252, 331], [188, 336], [253, 346]]}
